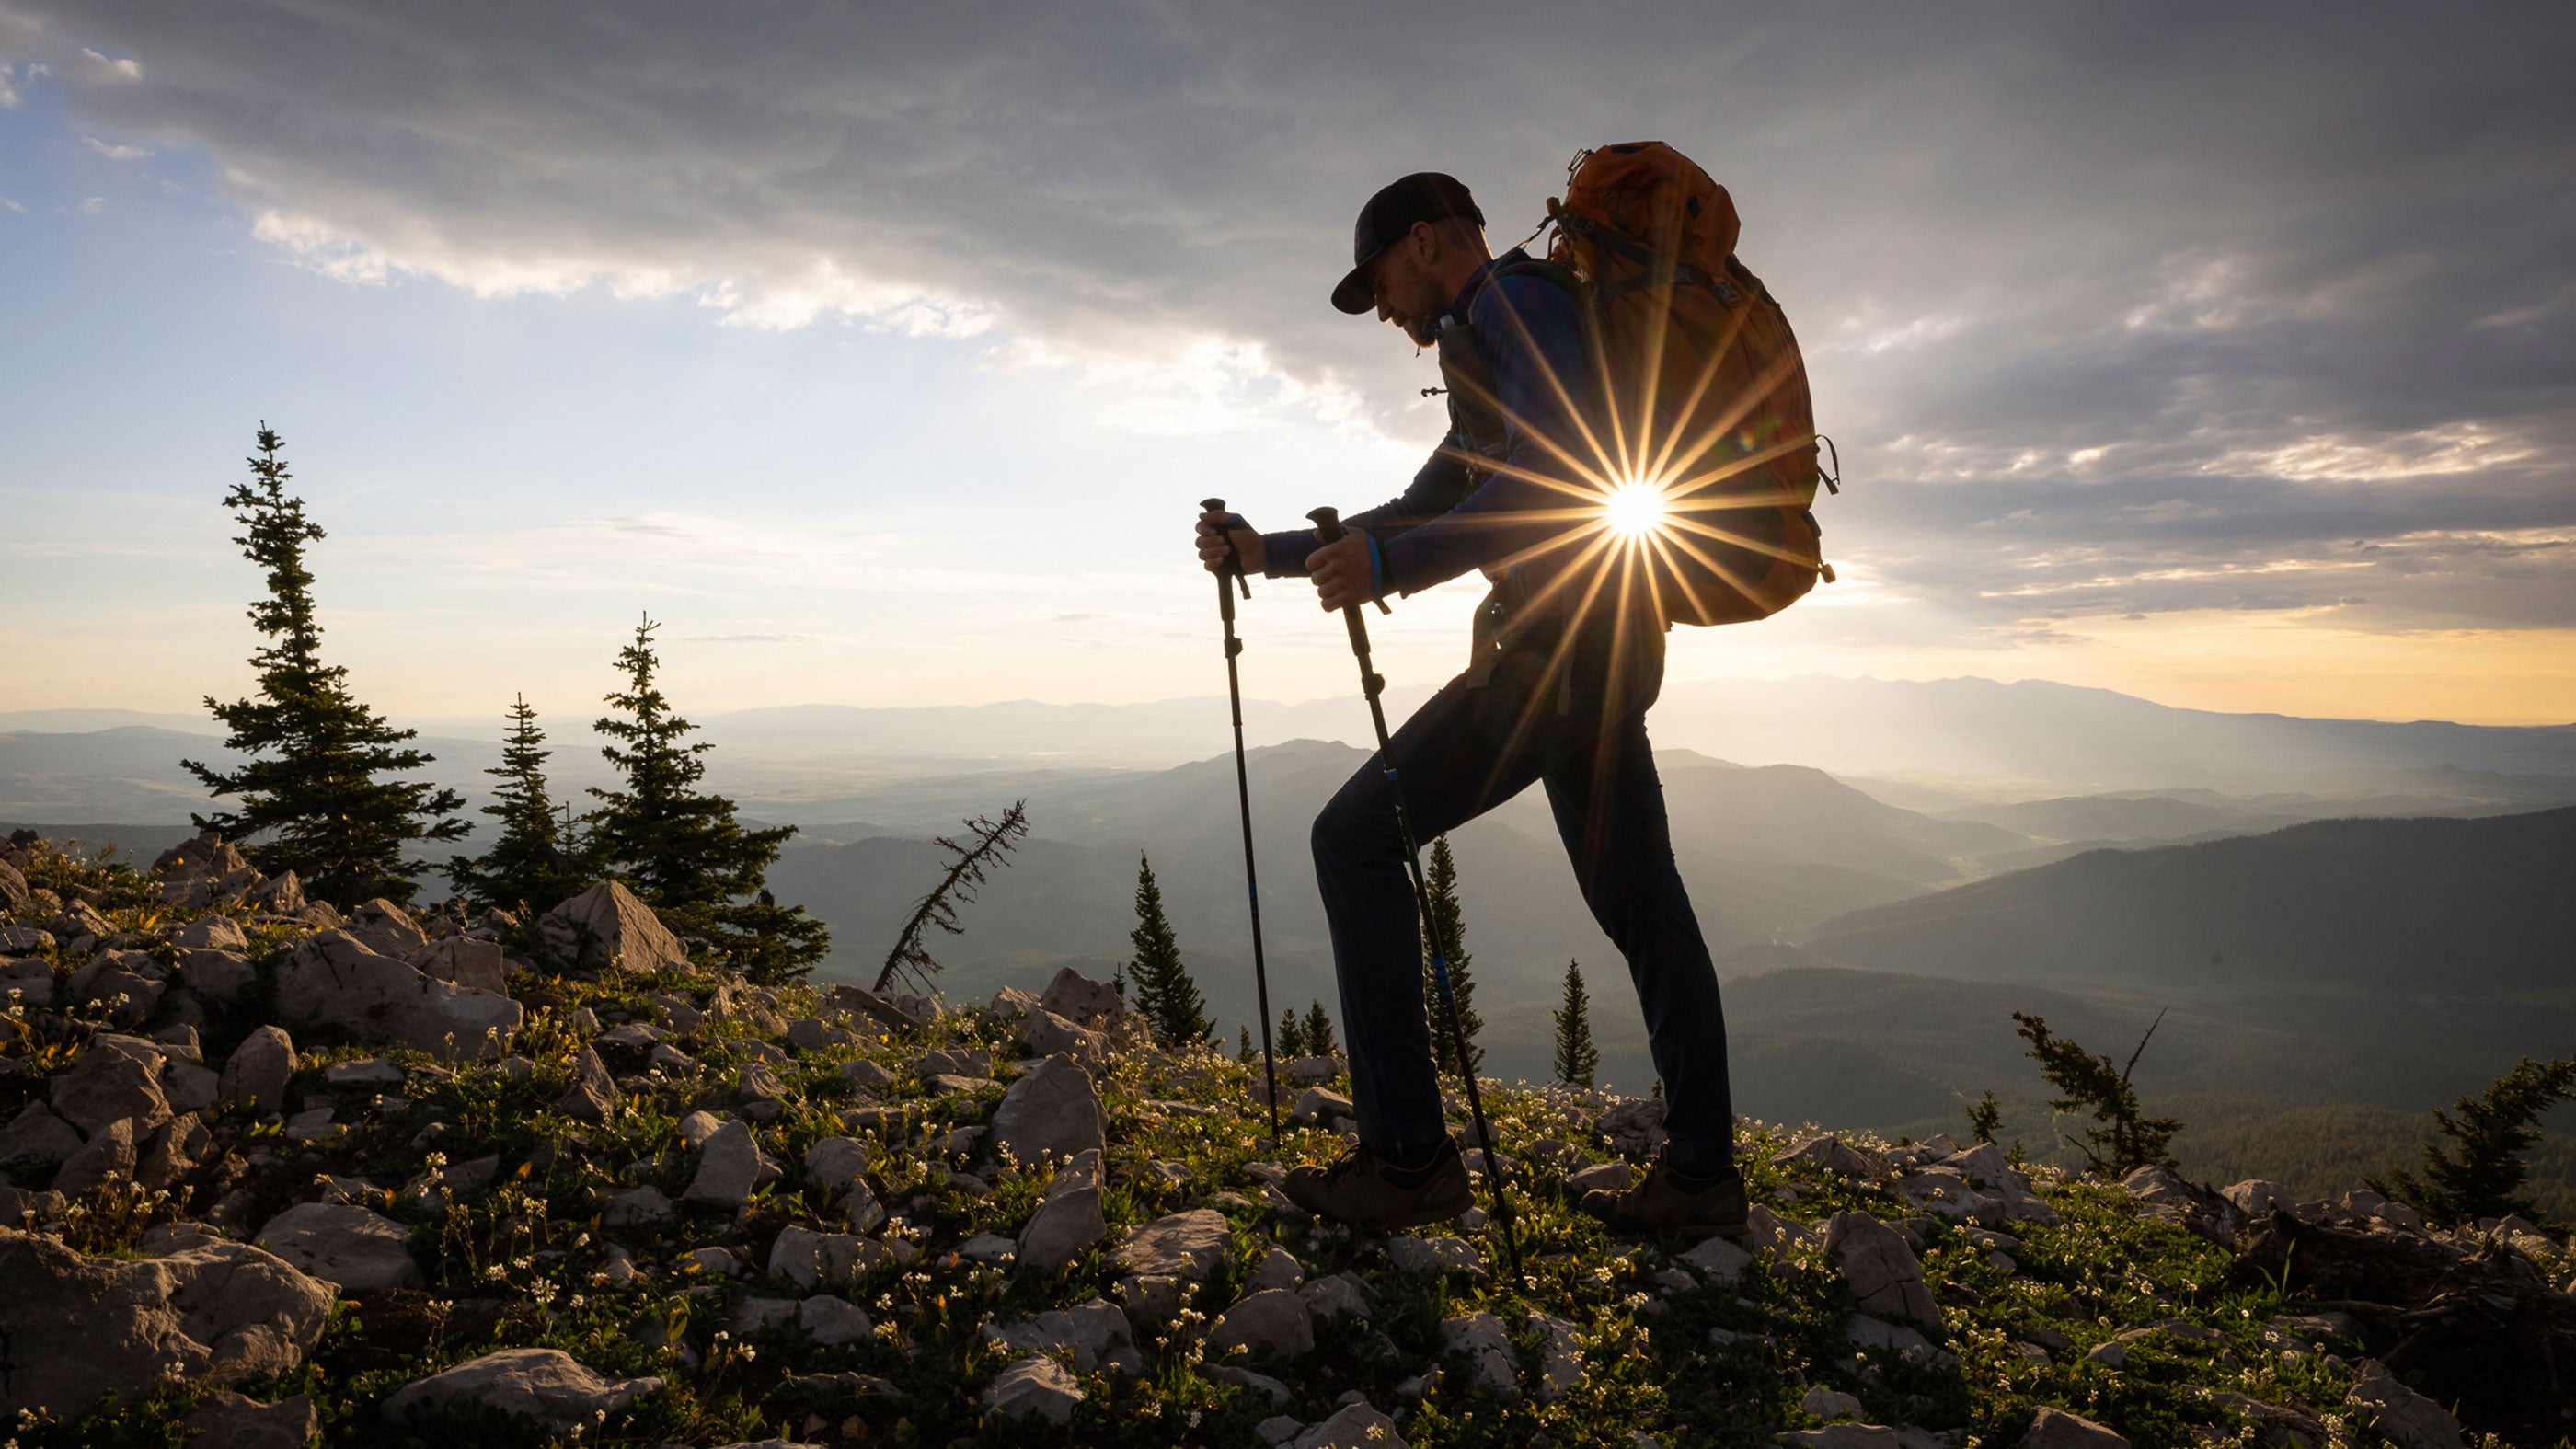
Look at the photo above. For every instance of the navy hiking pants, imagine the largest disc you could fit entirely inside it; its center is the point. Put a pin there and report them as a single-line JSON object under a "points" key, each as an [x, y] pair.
{"points": [[1579, 727]]}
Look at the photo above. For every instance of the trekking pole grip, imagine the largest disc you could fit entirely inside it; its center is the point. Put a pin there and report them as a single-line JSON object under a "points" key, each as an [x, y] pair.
{"points": [[1328, 527], [1235, 555]]}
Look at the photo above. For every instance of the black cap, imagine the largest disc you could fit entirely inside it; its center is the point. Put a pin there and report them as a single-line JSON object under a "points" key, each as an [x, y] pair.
{"points": [[1422, 196]]}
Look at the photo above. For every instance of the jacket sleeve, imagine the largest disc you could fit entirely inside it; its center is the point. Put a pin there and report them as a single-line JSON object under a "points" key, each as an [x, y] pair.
{"points": [[1439, 485], [1531, 333]]}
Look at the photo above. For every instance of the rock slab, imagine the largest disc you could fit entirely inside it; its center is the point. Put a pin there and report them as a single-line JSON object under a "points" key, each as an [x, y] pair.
{"points": [[544, 1383]]}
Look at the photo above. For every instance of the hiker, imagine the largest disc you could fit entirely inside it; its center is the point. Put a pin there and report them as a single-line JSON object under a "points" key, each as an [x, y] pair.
{"points": [[1556, 692]]}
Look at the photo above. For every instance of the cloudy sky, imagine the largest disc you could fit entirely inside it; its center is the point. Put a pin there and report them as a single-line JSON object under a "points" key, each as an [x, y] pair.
{"points": [[2224, 355]]}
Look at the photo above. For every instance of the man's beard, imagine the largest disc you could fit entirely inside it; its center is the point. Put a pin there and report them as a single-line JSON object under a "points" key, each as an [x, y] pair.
{"points": [[1424, 334]]}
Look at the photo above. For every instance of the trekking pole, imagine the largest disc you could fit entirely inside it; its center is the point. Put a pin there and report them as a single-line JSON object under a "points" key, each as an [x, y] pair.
{"points": [[1243, 797], [1328, 527]]}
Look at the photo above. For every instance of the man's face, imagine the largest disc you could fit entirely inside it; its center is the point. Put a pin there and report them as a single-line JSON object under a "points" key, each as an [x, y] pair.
{"points": [[1407, 294]]}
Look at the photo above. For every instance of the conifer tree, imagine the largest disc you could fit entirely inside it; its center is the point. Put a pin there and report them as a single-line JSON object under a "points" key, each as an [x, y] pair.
{"points": [[1576, 1058], [2482, 1174], [1319, 1032], [681, 848], [314, 785], [1290, 1040], [1165, 994], [531, 867], [1243, 1052], [1451, 921]]}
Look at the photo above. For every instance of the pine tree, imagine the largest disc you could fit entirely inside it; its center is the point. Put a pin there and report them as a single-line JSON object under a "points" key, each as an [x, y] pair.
{"points": [[1576, 1058], [680, 848], [2128, 1139], [1290, 1040], [1243, 1052], [1165, 994], [318, 793], [531, 867], [2482, 1175], [1451, 922], [1319, 1032]]}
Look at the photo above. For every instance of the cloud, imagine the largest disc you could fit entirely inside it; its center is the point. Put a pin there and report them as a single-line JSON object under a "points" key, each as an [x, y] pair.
{"points": [[7, 205], [116, 153], [2108, 309]]}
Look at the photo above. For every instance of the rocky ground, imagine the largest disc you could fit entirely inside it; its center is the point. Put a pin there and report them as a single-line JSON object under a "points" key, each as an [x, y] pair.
{"points": [[276, 1174]]}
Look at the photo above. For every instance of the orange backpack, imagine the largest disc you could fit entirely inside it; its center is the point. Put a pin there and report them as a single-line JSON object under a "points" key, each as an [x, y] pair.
{"points": [[1707, 392]]}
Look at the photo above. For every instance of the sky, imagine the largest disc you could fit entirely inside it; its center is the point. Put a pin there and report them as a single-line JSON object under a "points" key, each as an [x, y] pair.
{"points": [[2221, 355]]}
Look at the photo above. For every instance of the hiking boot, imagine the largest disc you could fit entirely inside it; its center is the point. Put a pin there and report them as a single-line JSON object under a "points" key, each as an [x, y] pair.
{"points": [[1365, 1190], [1667, 1202]]}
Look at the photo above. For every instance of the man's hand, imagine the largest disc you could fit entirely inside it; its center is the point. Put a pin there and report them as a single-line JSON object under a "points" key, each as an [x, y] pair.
{"points": [[1217, 531], [1340, 570]]}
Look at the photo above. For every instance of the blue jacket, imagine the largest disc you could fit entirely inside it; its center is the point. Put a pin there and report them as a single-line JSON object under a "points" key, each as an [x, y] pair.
{"points": [[1530, 334]]}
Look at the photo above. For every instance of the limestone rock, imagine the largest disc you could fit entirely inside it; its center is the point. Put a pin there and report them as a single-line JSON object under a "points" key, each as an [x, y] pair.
{"points": [[2256, 1197], [1718, 1260], [1070, 1219], [1033, 1386], [638, 1205], [386, 929], [216, 1313], [211, 933], [117, 1080], [1355, 1426], [1079, 999], [465, 961], [1480, 1337], [1053, 1111], [226, 1420], [1273, 1321], [1885, 1277], [730, 1165], [836, 1162], [340, 1243], [1184, 1245], [1095, 1335], [606, 925], [332, 978], [593, 1094], [2409, 1419], [545, 1383], [110, 1154], [1333, 1297], [832, 1321], [215, 975], [25, 983], [36, 1139], [2058, 1429], [1613, 1176], [1827, 1403], [1279, 1269], [257, 1071], [1434, 1255], [1043, 1033], [1829, 1153], [810, 1259], [1319, 1106], [1842, 1436]]}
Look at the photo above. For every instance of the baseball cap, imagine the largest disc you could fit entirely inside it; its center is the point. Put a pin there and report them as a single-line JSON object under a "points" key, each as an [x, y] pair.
{"points": [[1422, 196]]}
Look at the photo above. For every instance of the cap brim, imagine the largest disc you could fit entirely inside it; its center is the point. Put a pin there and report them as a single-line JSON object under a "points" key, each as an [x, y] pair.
{"points": [[1355, 295]]}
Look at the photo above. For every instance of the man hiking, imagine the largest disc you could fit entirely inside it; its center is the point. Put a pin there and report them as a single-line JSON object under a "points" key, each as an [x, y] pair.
{"points": [[1562, 671]]}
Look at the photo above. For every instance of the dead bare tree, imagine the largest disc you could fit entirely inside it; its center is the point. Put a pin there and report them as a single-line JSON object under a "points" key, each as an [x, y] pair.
{"points": [[991, 849]]}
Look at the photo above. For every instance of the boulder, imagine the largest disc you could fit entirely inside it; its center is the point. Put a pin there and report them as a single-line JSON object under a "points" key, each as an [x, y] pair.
{"points": [[2410, 1420], [215, 1313], [1095, 1336], [1479, 1336], [544, 1383], [1079, 999], [810, 1259], [23, 983], [117, 1080], [466, 961], [1354, 1426], [1070, 1219], [1410, 1254], [2058, 1429], [592, 1097], [644, 1204], [1334, 1297], [1320, 1106], [1185, 1245], [257, 1072], [1879, 1266], [607, 926], [210, 933], [1279, 1269], [110, 1154], [1037, 1387], [1613, 1176], [1718, 1260], [332, 978], [1842, 1436], [215, 975], [730, 1165], [36, 1139], [1042, 1033], [358, 1249], [387, 929], [226, 1420], [831, 1321], [1273, 1321], [836, 1163], [1829, 1153], [1053, 1112], [1560, 1355]]}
